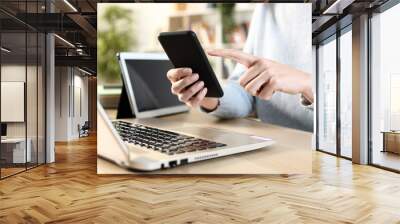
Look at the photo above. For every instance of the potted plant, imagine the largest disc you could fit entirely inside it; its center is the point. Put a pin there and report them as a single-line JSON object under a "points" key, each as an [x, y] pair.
{"points": [[115, 37], [227, 18]]}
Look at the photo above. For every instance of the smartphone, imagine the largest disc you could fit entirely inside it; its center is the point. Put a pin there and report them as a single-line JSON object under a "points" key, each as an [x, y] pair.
{"points": [[184, 50]]}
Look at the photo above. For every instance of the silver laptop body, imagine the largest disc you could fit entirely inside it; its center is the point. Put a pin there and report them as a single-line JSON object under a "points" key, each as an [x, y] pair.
{"points": [[217, 143]]}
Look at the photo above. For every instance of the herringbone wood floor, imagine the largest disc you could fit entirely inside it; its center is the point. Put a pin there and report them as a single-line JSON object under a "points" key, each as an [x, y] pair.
{"points": [[69, 191]]}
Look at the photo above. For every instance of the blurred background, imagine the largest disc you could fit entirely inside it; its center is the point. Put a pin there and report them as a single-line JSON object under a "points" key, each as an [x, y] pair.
{"points": [[135, 27]]}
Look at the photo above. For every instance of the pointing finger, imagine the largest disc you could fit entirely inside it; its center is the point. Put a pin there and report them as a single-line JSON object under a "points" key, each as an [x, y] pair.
{"points": [[238, 56]]}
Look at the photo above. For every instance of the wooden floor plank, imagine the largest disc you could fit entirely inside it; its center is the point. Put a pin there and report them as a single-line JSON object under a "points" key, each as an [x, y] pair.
{"points": [[70, 191]]}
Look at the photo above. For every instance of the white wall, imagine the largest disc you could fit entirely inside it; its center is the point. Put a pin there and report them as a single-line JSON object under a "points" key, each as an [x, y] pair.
{"points": [[80, 103], [62, 81], [12, 73], [12, 101], [16, 73], [71, 93]]}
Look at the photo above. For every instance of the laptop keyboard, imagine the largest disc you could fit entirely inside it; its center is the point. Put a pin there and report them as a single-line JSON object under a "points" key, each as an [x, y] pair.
{"points": [[167, 142]]}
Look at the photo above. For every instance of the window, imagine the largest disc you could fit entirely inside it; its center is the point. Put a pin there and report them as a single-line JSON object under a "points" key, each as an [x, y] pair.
{"points": [[346, 92], [327, 96], [385, 89], [334, 106]]}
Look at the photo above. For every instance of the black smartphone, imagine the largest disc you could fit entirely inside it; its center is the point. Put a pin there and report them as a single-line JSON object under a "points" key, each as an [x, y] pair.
{"points": [[184, 50]]}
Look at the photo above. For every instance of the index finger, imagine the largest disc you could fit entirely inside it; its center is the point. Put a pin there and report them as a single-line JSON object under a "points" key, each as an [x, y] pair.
{"points": [[238, 56]]}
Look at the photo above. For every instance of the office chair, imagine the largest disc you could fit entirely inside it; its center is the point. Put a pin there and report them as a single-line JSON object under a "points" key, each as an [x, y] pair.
{"points": [[84, 130]]}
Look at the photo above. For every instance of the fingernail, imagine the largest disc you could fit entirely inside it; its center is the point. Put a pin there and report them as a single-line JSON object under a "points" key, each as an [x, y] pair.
{"points": [[201, 83], [196, 76], [188, 70]]}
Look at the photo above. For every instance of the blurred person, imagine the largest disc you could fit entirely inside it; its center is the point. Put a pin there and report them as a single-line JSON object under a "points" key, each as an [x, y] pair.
{"points": [[273, 76]]}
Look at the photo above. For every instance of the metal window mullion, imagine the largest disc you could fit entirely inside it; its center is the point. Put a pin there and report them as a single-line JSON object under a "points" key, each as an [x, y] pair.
{"points": [[338, 97], [37, 90], [69, 94], [369, 96], [26, 86], [317, 97], [0, 94], [45, 94], [80, 102], [73, 92]]}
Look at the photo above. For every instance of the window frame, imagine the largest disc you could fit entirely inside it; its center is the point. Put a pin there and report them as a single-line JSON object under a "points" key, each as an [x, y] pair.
{"points": [[333, 37]]}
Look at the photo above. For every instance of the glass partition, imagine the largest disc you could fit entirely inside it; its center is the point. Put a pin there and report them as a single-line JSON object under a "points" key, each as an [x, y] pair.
{"points": [[346, 93], [14, 153], [35, 89], [327, 95], [22, 77], [334, 104], [385, 89]]}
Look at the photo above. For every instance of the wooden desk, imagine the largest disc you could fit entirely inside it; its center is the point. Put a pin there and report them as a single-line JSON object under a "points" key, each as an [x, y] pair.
{"points": [[291, 154], [391, 141]]}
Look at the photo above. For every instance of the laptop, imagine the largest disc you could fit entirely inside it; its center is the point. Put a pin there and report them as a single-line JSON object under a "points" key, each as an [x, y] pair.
{"points": [[146, 148]]}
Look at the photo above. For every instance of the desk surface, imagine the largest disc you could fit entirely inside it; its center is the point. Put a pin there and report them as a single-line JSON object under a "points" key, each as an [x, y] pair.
{"points": [[291, 154], [391, 132]]}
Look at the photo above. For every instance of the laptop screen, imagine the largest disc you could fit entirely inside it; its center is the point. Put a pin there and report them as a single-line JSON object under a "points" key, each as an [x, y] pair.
{"points": [[151, 86]]}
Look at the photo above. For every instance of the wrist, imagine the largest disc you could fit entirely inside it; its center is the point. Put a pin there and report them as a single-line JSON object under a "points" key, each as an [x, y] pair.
{"points": [[210, 104]]}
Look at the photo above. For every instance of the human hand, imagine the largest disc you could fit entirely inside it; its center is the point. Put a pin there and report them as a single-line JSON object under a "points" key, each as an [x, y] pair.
{"points": [[264, 77], [189, 89]]}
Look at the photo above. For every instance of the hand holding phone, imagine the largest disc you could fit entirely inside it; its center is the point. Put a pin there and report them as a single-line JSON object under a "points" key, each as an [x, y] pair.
{"points": [[184, 50], [189, 89]]}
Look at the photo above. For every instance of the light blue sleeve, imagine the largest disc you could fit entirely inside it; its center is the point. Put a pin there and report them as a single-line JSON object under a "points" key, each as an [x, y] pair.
{"points": [[236, 102]]}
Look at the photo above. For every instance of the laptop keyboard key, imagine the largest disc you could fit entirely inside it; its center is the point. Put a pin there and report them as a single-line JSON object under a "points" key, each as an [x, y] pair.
{"points": [[163, 141]]}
